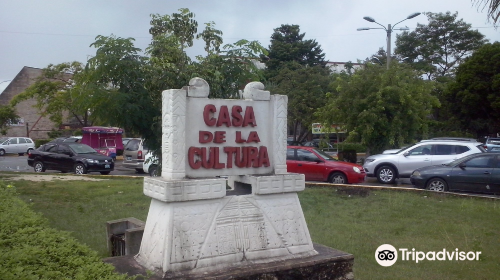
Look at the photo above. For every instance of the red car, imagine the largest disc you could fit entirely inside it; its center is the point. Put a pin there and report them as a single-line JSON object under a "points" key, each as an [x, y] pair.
{"points": [[318, 166]]}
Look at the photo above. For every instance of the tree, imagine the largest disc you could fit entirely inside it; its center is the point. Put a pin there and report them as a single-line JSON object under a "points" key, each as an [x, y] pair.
{"points": [[379, 107], [56, 94], [212, 38], [287, 45], [440, 46], [7, 116], [127, 86], [306, 88], [474, 97], [493, 8], [181, 25]]}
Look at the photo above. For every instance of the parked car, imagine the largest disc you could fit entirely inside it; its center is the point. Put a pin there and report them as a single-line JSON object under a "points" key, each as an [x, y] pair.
{"points": [[388, 167], [319, 166], [125, 141], [134, 153], [16, 145], [492, 144], [477, 172], [70, 157], [316, 142], [393, 151], [66, 139], [150, 165]]}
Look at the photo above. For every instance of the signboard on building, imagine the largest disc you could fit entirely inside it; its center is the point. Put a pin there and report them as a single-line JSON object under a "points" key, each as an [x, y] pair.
{"points": [[228, 137]]}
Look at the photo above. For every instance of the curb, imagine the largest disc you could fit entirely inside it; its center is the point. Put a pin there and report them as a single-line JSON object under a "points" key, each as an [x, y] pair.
{"points": [[400, 189]]}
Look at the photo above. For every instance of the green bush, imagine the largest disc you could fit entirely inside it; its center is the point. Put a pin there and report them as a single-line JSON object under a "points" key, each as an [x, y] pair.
{"points": [[40, 142], [30, 249], [358, 147], [348, 156]]}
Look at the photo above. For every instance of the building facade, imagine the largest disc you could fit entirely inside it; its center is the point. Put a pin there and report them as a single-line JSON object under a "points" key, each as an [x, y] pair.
{"points": [[31, 123]]}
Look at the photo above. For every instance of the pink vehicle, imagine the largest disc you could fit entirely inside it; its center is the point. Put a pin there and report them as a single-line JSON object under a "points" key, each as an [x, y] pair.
{"points": [[105, 140]]}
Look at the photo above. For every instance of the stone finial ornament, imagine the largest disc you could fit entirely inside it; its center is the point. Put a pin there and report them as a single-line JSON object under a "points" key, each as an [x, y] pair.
{"points": [[198, 88], [255, 91]]}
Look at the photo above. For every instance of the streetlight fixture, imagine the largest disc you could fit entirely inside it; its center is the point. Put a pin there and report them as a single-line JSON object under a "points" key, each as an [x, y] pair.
{"points": [[389, 30]]}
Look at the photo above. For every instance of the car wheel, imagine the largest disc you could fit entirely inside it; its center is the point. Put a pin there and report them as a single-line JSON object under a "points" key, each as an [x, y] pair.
{"points": [[2, 152], [386, 174], [21, 154], [338, 178], [105, 172], [80, 169], [437, 185], [153, 171], [29, 151], [38, 166]]}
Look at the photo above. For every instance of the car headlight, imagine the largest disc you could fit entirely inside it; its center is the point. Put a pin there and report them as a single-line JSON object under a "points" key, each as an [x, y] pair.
{"points": [[356, 169], [415, 173], [369, 160], [89, 160]]}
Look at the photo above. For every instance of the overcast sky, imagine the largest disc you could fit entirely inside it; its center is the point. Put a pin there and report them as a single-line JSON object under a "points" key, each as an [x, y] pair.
{"points": [[36, 33]]}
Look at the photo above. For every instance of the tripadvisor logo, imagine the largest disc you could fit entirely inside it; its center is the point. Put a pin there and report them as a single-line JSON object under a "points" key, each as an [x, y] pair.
{"points": [[387, 255]]}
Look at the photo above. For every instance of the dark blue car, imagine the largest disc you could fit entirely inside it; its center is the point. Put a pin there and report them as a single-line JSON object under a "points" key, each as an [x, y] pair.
{"points": [[476, 173]]}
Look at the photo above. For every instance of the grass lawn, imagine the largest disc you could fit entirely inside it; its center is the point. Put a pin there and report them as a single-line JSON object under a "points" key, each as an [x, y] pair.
{"points": [[354, 223]]}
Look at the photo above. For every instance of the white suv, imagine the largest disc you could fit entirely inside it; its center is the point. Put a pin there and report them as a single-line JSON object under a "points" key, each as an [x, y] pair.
{"points": [[388, 167], [150, 165], [16, 145]]}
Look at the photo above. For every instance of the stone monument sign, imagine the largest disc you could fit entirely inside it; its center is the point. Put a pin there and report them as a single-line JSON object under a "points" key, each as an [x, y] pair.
{"points": [[192, 225]]}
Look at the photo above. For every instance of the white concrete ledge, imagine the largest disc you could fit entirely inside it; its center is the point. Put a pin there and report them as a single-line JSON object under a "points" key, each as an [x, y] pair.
{"points": [[270, 184], [184, 190]]}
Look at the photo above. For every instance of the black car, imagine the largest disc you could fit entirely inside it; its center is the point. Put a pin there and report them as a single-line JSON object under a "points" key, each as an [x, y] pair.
{"points": [[477, 173], [70, 157]]}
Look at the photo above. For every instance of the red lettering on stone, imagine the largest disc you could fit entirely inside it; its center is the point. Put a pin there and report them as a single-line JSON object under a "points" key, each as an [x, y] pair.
{"points": [[205, 137], [249, 117], [192, 153], [210, 121], [253, 137], [238, 138], [241, 157], [236, 114], [207, 161], [230, 151], [263, 157], [217, 164], [223, 117], [220, 137], [252, 160]]}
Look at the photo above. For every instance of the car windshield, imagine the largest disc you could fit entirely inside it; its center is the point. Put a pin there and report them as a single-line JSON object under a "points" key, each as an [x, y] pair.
{"points": [[324, 155], [82, 148], [405, 148], [3, 139]]}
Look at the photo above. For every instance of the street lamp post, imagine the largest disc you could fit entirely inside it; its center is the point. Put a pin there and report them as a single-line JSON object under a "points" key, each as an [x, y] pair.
{"points": [[389, 30]]}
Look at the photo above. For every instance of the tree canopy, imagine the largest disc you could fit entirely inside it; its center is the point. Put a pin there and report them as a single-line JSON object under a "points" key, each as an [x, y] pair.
{"points": [[306, 88], [492, 6], [474, 97], [440, 46], [380, 108], [121, 86], [288, 45], [57, 93], [7, 116]]}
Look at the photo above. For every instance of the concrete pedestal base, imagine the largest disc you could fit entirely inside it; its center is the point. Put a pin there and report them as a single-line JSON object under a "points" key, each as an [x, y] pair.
{"points": [[327, 264]]}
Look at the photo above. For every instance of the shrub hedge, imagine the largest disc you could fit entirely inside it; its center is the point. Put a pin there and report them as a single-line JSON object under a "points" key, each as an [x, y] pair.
{"points": [[30, 249]]}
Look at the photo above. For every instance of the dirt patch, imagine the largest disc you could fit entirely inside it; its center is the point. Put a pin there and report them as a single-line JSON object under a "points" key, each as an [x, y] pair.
{"points": [[40, 178]]}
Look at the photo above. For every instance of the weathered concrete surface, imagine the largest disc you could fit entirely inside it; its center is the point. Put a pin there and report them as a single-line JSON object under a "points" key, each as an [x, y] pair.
{"points": [[328, 264]]}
